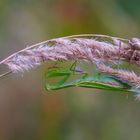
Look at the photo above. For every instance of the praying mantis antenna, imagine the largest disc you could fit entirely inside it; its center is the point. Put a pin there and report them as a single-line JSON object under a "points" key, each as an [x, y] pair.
{"points": [[5, 74]]}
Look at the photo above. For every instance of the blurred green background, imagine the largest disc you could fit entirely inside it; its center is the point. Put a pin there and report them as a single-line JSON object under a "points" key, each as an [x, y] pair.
{"points": [[27, 111]]}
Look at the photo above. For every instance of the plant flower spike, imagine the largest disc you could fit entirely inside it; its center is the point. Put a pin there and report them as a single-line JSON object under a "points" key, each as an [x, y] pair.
{"points": [[97, 49]]}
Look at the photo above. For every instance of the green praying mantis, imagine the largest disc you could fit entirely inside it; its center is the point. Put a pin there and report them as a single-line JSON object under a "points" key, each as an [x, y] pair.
{"points": [[98, 81]]}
